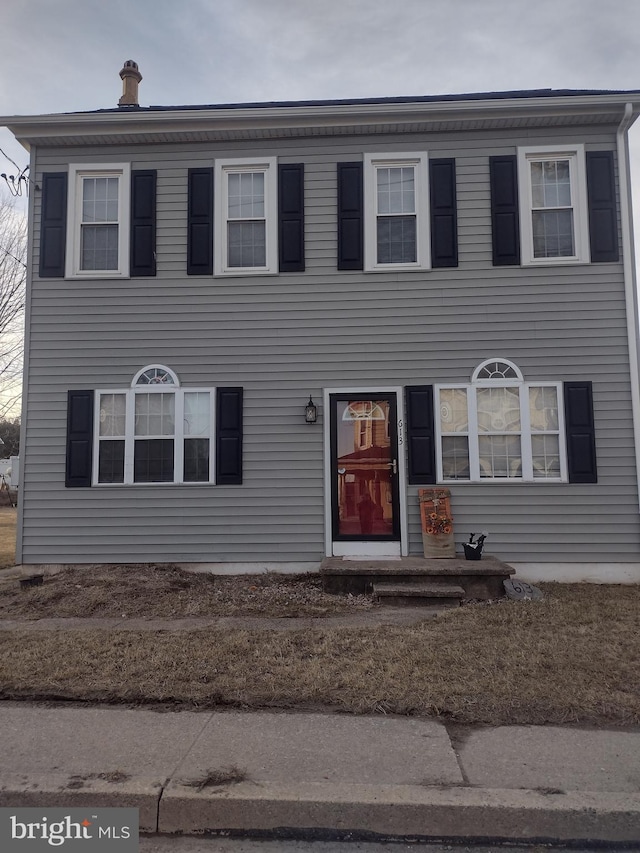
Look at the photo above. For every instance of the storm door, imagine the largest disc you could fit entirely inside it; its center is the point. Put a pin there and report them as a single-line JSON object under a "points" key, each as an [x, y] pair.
{"points": [[364, 468]]}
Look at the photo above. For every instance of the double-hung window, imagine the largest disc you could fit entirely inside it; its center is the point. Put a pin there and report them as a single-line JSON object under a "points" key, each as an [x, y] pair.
{"points": [[98, 221], [245, 218], [553, 206], [500, 428], [397, 211], [154, 432]]}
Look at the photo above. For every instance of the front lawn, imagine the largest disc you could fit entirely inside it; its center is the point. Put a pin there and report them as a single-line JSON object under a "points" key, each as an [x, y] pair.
{"points": [[7, 536], [572, 658]]}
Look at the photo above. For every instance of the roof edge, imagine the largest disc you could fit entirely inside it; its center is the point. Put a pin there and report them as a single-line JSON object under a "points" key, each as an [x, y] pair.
{"points": [[300, 114]]}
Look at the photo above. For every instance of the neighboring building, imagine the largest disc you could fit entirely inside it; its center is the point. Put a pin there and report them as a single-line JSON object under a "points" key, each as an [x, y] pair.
{"points": [[450, 278]]}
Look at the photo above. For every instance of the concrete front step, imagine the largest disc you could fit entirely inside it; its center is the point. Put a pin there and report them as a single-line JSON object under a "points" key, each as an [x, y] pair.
{"points": [[480, 579], [418, 594]]}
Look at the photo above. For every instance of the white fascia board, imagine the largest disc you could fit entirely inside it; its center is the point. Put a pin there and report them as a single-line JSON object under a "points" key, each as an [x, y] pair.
{"points": [[135, 122]]}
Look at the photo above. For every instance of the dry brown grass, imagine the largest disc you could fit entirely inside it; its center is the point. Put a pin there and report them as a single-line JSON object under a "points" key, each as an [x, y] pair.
{"points": [[7, 536], [164, 591], [573, 657]]}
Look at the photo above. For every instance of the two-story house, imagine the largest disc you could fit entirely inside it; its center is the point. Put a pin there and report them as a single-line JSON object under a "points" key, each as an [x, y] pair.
{"points": [[254, 331]]}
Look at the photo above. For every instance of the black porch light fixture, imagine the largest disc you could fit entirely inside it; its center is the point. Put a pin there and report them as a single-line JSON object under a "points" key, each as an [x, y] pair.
{"points": [[310, 412]]}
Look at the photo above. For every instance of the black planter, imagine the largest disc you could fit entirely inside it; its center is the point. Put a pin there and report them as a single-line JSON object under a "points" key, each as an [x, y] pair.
{"points": [[472, 552]]}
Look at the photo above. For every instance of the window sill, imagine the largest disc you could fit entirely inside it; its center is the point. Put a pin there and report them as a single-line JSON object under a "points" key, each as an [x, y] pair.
{"points": [[97, 275], [393, 268], [242, 273], [501, 481], [148, 485], [555, 262]]}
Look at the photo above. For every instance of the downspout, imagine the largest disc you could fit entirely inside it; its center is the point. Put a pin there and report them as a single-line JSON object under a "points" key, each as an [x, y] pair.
{"points": [[629, 272]]}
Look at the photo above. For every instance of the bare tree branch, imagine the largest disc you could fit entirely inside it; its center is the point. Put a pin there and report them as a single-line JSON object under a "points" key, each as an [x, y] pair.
{"points": [[13, 250]]}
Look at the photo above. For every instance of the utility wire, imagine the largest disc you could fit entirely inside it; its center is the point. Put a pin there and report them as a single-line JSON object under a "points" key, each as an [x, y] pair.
{"points": [[4, 154]]}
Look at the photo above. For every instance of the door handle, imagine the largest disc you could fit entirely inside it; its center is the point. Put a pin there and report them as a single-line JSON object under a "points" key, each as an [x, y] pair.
{"points": [[394, 466]]}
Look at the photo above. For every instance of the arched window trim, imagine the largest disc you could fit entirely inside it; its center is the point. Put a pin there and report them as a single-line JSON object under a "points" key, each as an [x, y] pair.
{"points": [[174, 383], [498, 380]]}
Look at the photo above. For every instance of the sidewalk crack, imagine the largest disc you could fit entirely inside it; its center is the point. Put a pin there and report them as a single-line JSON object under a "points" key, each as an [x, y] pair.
{"points": [[185, 755], [453, 741]]}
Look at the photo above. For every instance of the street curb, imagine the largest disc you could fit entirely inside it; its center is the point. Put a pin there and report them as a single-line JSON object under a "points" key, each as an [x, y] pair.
{"points": [[60, 790], [399, 811]]}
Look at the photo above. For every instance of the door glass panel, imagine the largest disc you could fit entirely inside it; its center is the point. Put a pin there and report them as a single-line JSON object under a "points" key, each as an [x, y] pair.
{"points": [[364, 468]]}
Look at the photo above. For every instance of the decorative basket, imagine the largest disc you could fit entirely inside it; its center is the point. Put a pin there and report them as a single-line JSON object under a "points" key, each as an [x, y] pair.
{"points": [[438, 545]]}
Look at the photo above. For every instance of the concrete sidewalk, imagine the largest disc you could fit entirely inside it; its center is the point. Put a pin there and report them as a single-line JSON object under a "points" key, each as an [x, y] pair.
{"points": [[269, 772]]}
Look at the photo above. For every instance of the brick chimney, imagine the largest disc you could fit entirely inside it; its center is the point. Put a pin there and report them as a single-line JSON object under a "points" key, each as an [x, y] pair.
{"points": [[130, 79]]}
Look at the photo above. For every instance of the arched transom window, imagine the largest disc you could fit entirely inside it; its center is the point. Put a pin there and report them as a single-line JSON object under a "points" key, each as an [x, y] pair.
{"points": [[499, 427]]}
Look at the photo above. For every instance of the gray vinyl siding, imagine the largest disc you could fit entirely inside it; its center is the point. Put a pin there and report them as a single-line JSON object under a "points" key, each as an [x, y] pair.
{"points": [[283, 337]]}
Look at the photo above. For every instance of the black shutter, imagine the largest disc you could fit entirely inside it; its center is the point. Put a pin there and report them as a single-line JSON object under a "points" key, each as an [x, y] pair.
{"points": [[200, 222], [229, 436], [53, 227], [444, 225], [79, 438], [350, 217], [505, 224], [143, 223], [291, 216], [580, 430], [421, 433], [603, 215]]}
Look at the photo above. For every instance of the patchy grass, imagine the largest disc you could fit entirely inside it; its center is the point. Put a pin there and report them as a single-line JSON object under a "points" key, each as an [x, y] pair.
{"points": [[161, 591], [573, 657], [7, 536]]}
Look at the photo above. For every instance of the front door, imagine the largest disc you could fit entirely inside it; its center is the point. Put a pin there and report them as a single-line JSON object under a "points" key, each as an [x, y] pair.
{"points": [[364, 468]]}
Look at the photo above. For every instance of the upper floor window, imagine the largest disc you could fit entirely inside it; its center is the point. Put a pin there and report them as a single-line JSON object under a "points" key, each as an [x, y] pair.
{"points": [[245, 217], [553, 205], [500, 427], [396, 197], [98, 221]]}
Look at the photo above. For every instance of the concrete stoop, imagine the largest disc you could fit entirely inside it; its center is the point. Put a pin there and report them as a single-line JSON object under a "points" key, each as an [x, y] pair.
{"points": [[416, 581], [418, 594]]}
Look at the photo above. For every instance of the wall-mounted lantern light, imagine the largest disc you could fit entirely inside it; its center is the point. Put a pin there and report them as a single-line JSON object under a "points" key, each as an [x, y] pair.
{"points": [[310, 412]]}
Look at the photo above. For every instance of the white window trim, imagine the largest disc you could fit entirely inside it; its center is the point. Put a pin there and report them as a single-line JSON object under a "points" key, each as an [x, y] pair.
{"points": [[525, 432], [420, 161], [268, 165], [130, 437], [577, 169], [78, 171]]}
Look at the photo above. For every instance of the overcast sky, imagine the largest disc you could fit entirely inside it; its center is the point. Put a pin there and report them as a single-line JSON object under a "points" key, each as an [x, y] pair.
{"points": [[65, 55]]}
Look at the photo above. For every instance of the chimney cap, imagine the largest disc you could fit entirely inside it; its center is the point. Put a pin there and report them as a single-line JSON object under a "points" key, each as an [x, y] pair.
{"points": [[130, 69], [130, 77]]}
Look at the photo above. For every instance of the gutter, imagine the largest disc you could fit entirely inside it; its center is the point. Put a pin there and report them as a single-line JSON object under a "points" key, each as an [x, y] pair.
{"points": [[629, 272]]}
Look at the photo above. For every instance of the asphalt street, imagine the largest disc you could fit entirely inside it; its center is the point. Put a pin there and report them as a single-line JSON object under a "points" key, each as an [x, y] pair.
{"points": [[158, 844]]}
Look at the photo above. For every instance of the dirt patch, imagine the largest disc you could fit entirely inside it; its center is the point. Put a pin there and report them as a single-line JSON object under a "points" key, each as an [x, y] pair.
{"points": [[217, 778], [161, 591], [115, 777]]}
